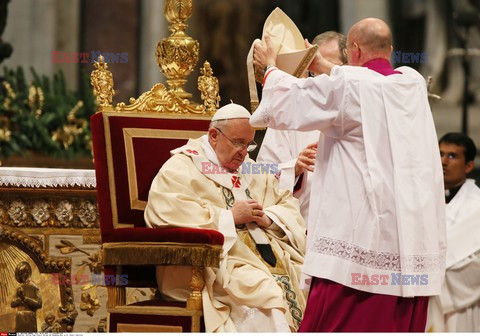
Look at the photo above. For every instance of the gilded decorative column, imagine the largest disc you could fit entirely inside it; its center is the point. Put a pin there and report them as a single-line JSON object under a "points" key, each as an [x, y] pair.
{"points": [[177, 54]]}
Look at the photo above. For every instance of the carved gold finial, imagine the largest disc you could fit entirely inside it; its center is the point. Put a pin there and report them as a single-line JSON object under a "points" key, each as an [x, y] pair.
{"points": [[177, 54], [208, 87], [102, 82]]}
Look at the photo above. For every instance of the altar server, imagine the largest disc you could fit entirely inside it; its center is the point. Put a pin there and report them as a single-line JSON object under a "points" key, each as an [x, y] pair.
{"points": [[457, 308]]}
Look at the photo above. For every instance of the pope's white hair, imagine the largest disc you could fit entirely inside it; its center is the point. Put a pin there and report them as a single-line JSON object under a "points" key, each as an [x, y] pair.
{"points": [[218, 123]]}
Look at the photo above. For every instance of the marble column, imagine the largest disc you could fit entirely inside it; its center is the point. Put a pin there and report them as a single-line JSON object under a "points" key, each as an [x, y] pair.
{"points": [[31, 31], [113, 27], [225, 31], [36, 28], [67, 37], [153, 28]]}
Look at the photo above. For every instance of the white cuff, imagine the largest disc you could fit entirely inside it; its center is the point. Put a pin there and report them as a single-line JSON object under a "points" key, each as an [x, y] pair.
{"points": [[287, 177], [278, 224]]}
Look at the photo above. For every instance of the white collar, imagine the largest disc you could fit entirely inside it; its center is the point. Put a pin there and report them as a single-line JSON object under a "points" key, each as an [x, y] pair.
{"points": [[209, 151]]}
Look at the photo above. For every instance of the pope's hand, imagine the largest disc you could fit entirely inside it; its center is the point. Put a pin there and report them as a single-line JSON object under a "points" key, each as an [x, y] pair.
{"points": [[264, 221], [246, 211]]}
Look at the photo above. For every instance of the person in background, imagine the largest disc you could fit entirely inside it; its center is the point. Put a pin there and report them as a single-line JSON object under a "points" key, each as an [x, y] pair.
{"points": [[457, 308]]}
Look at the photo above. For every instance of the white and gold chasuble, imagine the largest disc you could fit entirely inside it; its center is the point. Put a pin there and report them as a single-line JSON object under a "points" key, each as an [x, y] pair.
{"points": [[245, 293]]}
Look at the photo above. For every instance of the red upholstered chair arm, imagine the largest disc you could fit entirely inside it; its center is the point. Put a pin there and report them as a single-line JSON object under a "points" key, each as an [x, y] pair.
{"points": [[174, 235]]}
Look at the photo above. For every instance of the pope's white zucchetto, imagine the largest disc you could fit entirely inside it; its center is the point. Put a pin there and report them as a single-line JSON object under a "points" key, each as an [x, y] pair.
{"points": [[231, 111]]}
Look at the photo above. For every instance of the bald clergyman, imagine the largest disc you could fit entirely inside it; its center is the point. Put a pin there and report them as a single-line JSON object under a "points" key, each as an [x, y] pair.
{"points": [[212, 183], [376, 239]]}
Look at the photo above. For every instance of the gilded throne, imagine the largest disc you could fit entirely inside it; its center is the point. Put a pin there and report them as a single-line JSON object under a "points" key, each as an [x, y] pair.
{"points": [[130, 143]]}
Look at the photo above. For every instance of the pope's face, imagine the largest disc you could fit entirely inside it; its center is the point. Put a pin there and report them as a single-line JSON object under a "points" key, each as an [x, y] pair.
{"points": [[330, 51], [455, 169], [230, 142]]}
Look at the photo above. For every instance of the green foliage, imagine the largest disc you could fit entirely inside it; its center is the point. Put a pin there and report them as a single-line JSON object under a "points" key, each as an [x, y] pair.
{"points": [[43, 116]]}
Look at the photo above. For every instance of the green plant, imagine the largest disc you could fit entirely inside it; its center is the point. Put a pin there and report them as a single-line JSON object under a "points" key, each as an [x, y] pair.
{"points": [[43, 116]]}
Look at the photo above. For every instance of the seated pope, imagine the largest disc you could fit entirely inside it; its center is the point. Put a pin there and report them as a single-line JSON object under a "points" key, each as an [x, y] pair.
{"points": [[211, 183]]}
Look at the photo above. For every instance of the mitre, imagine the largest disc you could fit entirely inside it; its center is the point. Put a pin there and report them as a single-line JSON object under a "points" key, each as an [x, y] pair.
{"points": [[292, 55]]}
